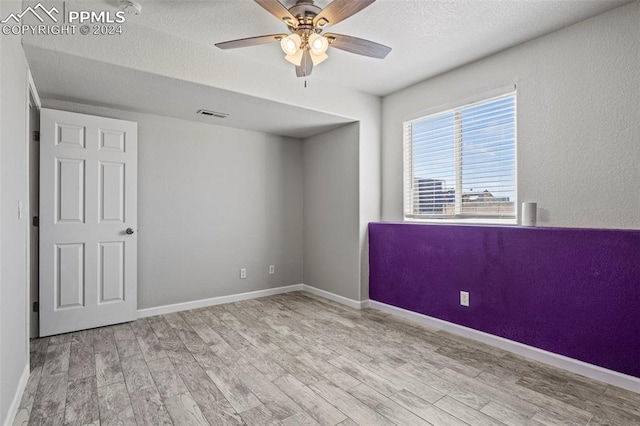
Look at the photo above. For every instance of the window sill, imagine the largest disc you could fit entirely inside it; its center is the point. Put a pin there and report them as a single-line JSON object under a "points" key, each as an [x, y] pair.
{"points": [[470, 221]]}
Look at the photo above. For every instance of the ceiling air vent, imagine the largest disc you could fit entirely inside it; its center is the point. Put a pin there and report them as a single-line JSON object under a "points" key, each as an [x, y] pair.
{"points": [[212, 113]]}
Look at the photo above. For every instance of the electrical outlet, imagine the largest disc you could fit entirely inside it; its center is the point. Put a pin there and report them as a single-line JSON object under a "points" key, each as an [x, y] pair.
{"points": [[272, 269], [464, 298], [243, 273]]}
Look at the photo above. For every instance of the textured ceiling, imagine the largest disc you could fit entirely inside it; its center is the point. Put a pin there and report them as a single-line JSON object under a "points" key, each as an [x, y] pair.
{"points": [[427, 37], [168, 50]]}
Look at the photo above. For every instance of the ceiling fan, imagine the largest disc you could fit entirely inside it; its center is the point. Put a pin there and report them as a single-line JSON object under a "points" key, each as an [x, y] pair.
{"points": [[306, 46]]}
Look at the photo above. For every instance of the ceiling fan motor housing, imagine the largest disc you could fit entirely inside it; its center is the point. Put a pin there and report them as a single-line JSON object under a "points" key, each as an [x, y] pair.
{"points": [[305, 11]]}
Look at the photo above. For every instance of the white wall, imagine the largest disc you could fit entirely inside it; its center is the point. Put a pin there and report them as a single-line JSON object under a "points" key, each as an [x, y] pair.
{"points": [[578, 120], [331, 211], [14, 354], [211, 200]]}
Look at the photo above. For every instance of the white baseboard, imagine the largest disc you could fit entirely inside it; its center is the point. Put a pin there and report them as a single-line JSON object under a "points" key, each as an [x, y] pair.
{"points": [[335, 297], [15, 404], [177, 307], [589, 370], [195, 304]]}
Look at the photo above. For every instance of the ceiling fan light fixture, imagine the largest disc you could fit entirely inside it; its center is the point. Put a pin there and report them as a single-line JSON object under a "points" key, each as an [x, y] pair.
{"points": [[296, 58], [318, 45], [291, 44], [318, 59]]}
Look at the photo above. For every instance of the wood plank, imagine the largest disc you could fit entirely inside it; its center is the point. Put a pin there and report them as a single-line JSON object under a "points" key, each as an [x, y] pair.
{"points": [[506, 415], [305, 373], [428, 412], [347, 403], [108, 368], [562, 409], [260, 416], [104, 340], [404, 380], [335, 375], [82, 402], [83, 338], [196, 379], [166, 378], [277, 402], [126, 341], [266, 363], [456, 391], [51, 396], [300, 419], [82, 362], [136, 374], [508, 399], [321, 410], [115, 406], [148, 407], [147, 340], [57, 359], [234, 390], [216, 411], [54, 420], [388, 408], [466, 413], [185, 411], [366, 376]]}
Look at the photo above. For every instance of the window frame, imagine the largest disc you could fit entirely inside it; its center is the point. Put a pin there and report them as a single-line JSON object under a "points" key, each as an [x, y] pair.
{"points": [[407, 164]]}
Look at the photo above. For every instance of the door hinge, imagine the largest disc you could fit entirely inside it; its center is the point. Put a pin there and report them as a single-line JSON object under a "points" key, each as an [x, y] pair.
{"points": [[36, 221], [36, 135], [36, 306]]}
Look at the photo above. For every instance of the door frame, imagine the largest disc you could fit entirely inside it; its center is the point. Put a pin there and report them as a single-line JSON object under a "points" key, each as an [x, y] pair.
{"points": [[31, 285]]}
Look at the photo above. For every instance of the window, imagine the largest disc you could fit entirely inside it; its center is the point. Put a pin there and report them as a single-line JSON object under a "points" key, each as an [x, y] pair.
{"points": [[460, 164]]}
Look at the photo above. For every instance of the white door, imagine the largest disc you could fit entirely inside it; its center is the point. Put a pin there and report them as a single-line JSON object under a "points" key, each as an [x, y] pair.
{"points": [[88, 221]]}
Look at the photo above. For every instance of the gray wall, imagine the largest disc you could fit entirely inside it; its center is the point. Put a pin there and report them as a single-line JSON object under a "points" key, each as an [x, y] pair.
{"points": [[578, 125], [211, 200], [13, 232], [331, 212]]}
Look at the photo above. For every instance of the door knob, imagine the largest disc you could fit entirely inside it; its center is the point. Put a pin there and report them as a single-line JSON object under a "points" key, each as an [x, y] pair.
{"points": [[129, 231]]}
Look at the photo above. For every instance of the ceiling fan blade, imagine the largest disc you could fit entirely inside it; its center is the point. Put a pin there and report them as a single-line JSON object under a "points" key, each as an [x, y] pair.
{"points": [[339, 10], [305, 68], [251, 41], [278, 10], [358, 46]]}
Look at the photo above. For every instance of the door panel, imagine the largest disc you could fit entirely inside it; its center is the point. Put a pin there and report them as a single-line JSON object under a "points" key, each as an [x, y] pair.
{"points": [[88, 198], [111, 272], [112, 140], [69, 190], [70, 135], [111, 192], [70, 275]]}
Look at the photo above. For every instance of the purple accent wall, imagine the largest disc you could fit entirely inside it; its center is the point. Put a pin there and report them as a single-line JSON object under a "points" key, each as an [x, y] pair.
{"points": [[575, 292]]}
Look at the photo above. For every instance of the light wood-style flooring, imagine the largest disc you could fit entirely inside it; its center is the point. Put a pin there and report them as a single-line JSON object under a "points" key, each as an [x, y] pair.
{"points": [[296, 360]]}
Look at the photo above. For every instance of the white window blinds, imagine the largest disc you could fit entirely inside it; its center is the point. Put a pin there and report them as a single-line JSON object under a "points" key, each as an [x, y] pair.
{"points": [[461, 163]]}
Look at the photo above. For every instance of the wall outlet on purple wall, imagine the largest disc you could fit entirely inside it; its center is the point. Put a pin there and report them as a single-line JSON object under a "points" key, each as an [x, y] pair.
{"points": [[464, 298]]}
